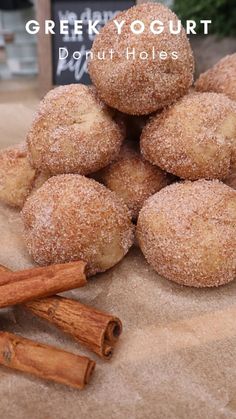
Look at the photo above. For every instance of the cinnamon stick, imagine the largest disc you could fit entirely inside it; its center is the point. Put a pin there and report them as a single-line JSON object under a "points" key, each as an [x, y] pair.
{"points": [[44, 361], [97, 330], [21, 286]]}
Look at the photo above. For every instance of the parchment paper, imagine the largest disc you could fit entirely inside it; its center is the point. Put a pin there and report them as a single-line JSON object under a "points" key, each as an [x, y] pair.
{"points": [[176, 357]]}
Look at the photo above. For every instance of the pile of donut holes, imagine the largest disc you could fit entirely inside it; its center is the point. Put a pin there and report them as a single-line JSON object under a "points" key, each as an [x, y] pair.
{"points": [[143, 145]]}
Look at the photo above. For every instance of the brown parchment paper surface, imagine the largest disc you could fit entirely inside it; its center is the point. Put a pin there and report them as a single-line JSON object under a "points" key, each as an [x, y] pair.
{"points": [[176, 357]]}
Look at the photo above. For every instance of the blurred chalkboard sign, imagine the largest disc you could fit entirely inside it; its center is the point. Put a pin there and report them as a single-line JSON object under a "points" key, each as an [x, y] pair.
{"points": [[70, 70], [53, 71]]}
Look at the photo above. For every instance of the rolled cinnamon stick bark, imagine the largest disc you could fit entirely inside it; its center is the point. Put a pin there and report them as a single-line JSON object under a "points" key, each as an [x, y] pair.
{"points": [[21, 286], [95, 329], [44, 361]]}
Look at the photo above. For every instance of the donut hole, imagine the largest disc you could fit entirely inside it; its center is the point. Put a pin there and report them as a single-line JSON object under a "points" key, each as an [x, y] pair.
{"points": [[193, 139], [16, 176], [72, 217], [133, 179], [187, 232], [73, 132], [220, 78], [147, 82]]}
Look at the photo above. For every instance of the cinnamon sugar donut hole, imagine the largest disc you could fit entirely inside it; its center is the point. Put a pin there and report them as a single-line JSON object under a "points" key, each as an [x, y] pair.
{"points": [[141, 86], [73, 132], [187, 232], [221, 78], [17, 177], [72, 217], [133, 179], [195, 138]]}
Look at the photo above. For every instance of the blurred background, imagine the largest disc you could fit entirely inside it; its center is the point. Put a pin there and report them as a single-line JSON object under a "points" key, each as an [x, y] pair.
{"points": [[19, 66]]}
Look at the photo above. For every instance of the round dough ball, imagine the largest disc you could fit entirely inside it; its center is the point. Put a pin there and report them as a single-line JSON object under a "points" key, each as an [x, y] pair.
{"points": [[72, 217], [133, 179], [16, 176], [187, 232], [141, 86], [221, 78], [194, 138], [73, 132]]}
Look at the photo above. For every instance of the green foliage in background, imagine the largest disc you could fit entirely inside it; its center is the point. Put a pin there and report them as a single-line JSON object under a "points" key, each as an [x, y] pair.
{"points": [[222, 13]]}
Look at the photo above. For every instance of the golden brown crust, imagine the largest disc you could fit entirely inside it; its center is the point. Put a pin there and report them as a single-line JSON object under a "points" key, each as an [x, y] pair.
{"points": [[221, 78], [133, 179], [140, 87], [72, 217], [194, 138], [187, 232], [18, 179], [16, 176], [73, 132]]}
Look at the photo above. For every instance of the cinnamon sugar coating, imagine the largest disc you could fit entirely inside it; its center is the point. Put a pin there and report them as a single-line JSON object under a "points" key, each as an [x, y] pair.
{"points": [[17, 177], [194, 138], [221, 78], [133, 179], [73, 132], [141, 86], [72, 217], [187, 232]]}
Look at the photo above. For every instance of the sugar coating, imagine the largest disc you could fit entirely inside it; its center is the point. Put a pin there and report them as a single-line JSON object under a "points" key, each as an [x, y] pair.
{"points": [[140, 87], [17, 176], [73, 132], [133, 179], [72, 217], [187, 232], [18, 179], [221, 78], [194, 138]]}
